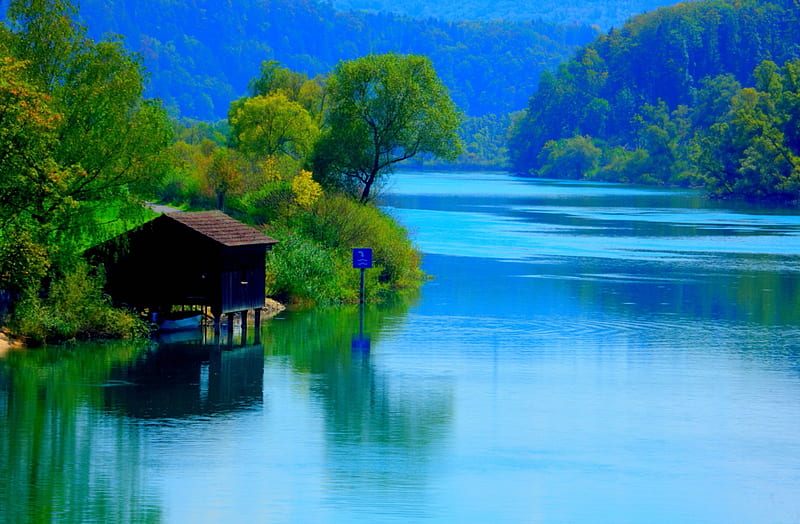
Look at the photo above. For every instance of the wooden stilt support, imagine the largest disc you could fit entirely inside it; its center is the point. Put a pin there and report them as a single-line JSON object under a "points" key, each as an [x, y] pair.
{"points": [[217, 321]]}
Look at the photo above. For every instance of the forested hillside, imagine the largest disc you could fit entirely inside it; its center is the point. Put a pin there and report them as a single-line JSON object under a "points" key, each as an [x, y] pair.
{"points": [[202, 54], [82, 150], [602, 13], [678, 95]]}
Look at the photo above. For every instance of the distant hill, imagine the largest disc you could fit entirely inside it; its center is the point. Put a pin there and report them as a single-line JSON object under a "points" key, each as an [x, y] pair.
{"points": [[202, 54], [654, 80], [663, 55], [602, 13]]}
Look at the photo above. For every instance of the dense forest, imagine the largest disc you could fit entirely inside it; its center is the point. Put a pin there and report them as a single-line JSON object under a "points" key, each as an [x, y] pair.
{"points": [[82, 149], [602, 13], [200, 55], [702, 93]]}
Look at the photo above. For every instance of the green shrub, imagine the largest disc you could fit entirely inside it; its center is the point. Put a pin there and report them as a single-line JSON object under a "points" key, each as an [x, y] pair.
{"points": [[343, 224], [312, 264], [302, 272], [75, 308], [268, 203], [23, 262]]}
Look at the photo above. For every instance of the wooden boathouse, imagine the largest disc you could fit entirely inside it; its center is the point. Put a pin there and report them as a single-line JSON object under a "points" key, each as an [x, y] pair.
{"points": [[202, 259]]}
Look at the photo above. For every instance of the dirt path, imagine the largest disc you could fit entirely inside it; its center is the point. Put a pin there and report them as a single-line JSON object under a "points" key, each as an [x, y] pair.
{"points": [[160, 208]]}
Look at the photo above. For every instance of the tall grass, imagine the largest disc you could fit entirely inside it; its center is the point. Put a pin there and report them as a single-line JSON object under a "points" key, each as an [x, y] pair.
{"points": [[301, 272], [312, 264]]}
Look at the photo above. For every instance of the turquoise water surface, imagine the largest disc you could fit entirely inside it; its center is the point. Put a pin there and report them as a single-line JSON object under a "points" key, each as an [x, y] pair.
{"points": [[584, 353]]}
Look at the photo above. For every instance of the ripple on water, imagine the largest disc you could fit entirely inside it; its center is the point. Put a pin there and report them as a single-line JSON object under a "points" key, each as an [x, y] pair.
{"points": [[468, 334]]}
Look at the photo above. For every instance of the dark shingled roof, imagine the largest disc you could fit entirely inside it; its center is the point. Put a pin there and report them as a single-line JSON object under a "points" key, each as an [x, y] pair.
{"points": [[221, 228]]}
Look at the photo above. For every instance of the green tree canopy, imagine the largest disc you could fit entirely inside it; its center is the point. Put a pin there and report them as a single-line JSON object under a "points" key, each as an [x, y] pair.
{"points": [[570, 157], [271, 124], [383, 109], [665, 55], [276, 77], [754, 149], [107, 140], [79, 145], [31, 183], [297, 87]]}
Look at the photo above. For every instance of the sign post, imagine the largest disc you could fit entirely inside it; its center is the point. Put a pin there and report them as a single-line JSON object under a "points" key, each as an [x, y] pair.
{"points": [[362, 260]]}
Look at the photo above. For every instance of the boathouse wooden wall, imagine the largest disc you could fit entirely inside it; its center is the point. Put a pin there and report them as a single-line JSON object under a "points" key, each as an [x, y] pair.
{"points": [[166, 263]]}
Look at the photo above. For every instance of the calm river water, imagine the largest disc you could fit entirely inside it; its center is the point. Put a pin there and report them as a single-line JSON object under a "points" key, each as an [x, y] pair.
{"points": [[584, 353]]}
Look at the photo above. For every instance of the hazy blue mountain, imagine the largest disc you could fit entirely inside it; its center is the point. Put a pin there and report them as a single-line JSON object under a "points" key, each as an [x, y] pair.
{"points": [[201, 53], [603, 13]]}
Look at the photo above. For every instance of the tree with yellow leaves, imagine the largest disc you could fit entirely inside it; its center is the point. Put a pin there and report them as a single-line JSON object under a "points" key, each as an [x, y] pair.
{"points": [[306, 190]]}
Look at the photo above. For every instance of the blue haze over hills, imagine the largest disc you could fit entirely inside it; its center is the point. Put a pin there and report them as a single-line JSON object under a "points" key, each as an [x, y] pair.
{"points": [[602, 13], [202, 54]]}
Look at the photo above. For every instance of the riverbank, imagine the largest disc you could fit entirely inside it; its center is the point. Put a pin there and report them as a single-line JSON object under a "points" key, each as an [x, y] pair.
{"points": [[7, 343], [271, 308]]}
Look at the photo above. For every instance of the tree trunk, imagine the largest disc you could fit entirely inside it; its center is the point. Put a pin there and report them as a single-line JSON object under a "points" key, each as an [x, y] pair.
{"points": [[367, 187]]}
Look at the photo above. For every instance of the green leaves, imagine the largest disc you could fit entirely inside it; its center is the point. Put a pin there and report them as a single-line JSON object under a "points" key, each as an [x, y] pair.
{"points": [[644, 90], [384, 109], [79, 146], [312, 262], [753, 150], [91, 136], [44, 33], [267, 125], [569, 158]]}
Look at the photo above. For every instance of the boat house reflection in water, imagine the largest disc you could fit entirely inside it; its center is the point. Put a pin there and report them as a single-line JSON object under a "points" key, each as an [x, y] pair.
{"points": [[204, 260], [190, 379]]}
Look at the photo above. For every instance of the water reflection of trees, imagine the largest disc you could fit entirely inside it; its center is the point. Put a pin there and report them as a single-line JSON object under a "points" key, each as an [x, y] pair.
{"points": [[731, 289], [62, 459], [65, 458], [763, 289], [381, 428]]}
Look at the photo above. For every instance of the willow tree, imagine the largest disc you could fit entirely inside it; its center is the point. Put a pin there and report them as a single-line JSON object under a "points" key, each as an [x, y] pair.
{"points": [[382, 110]]}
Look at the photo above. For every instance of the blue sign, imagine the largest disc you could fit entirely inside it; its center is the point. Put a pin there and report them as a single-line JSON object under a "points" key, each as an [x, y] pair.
{"points": [[360, 343], [362, 257]]}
